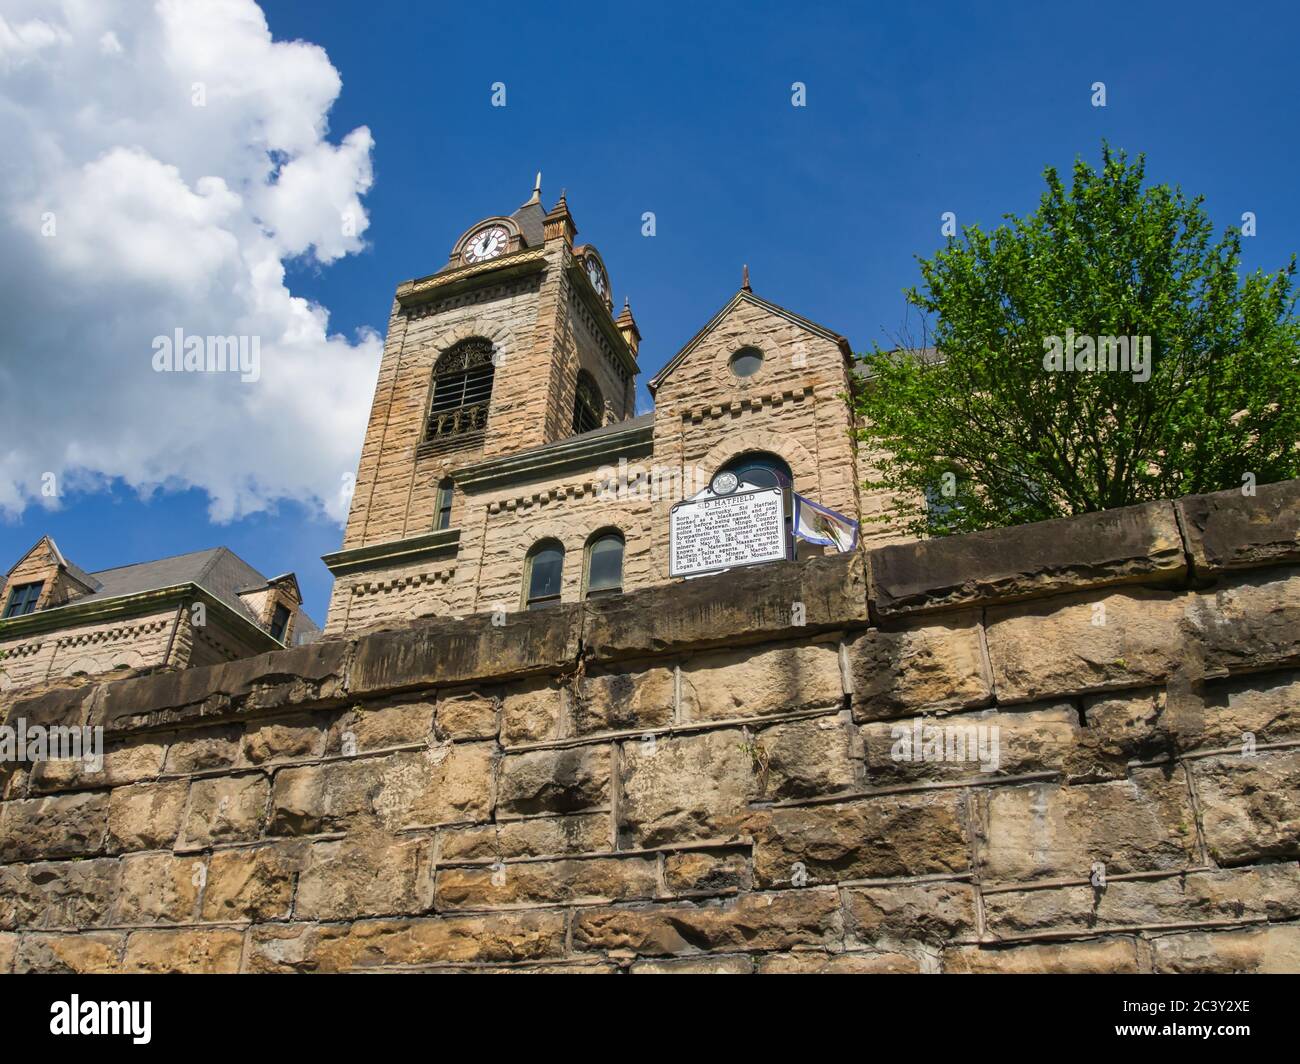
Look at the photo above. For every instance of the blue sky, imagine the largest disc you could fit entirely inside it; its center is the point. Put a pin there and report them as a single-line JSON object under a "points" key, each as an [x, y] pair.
{"points": [[685, 110]]}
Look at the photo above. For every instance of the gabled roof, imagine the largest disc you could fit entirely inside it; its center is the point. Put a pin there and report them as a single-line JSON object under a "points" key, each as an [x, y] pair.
{"points": [[75, 571], [746, 296], [218, 570]]}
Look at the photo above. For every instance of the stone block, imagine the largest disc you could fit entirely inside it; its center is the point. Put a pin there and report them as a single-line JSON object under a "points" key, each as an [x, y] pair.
{"points": [[365, 875], [1249, 951], [779, 921], [1141, 824], [1227, 530], [1113, 955], [807, 758], [936, 665], [224, 809], [159, 888], [563, 780], [146, 816], [890, 917], [1250, 806], [684, 787], [181, 952], [731, 684], [625, 700], [535, 837], [79, 953], [69, 825], [246, 884], [525, 883], [1121, 546]]}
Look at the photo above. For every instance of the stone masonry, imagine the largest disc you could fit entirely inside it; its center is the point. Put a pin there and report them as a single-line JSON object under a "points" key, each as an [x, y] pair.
{"points": [[706, 777]]}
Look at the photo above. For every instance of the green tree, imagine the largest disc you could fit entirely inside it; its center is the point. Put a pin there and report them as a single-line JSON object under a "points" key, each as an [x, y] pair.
{"points": [[1013, 438]]}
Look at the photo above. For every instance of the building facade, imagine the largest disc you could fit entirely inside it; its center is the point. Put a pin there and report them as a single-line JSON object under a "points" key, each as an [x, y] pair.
{"points": [[504, 465], [58, 621]]}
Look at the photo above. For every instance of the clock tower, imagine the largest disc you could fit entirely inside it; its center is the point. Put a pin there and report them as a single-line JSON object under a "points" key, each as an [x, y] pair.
{"points": [[511, 345]]}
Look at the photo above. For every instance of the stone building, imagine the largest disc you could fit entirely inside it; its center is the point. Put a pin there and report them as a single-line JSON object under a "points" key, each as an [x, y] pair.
{"points": [[504, 465], [202, 608]]}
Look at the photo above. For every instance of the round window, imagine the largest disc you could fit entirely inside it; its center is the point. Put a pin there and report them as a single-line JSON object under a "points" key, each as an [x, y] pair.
{"points": [[746, 361]]}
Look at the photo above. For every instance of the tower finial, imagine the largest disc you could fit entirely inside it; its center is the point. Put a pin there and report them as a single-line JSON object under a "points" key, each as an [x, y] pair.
{"points": [[536, 197], [744, 279]]}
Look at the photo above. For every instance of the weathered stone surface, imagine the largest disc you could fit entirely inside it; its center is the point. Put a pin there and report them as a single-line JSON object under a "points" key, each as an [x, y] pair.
{"points": [[252, 883], [741, 606], [1123, 727], [146, 816], [729, 964], [1227, 530], [468, 714], [875, 838], [8, 948], [806, 758], [224, 809], [213, 951], [364, 875], [447, 651], [307, 674], [532, 712], [1252, 624], [159, 888], [124, 762], [1271, 950], [554, 781], [683, 787], [1140, 824], [524, 883], [67, 954], [535, 837], [501, 937], [890, 916], [1078, 644], [1065, 958], [376, 726], [938, 665], [70, 825], [708, 872], [813, 962], [754, 921], [311, 799], [1133, 543], [282, 740], [970, 745], [447, 783], [1267, 892], [1265, 707], [58, 893], [1250, 806], [726, 685], [625, 700], [199, 751]]}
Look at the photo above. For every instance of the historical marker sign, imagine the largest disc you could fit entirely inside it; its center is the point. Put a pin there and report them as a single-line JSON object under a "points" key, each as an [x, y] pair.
{"points": [[726, 531]]}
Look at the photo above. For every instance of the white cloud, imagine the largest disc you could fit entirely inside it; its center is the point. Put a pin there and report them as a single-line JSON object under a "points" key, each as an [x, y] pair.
{"points": [[127, 212]]}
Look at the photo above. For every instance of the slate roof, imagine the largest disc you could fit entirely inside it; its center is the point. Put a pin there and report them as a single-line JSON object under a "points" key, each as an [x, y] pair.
{"points": [[218, 570]]}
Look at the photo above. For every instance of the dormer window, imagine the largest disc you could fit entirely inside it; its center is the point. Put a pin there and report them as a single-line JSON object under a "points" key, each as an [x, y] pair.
{"points": [[23, 599], [280, 622]]}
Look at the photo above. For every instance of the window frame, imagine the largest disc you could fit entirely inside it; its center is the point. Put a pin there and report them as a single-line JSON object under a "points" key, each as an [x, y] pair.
{"points": [[31, 592], [443, 503], [588, 398], [465, 377], [288, 618], [594, 540], [541, 602]]}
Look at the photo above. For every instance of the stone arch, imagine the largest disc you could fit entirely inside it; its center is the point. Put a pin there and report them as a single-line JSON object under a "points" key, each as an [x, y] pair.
{"points": [[802, 464]]}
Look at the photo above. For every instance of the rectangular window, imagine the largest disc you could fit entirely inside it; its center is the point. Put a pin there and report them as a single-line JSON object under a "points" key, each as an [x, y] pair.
{"points": [[23, 599], [443, 518], [279, 622]]}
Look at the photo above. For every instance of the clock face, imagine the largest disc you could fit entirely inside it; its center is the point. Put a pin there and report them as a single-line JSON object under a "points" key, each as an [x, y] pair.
{"points": [[597, 276], [486, 244]]}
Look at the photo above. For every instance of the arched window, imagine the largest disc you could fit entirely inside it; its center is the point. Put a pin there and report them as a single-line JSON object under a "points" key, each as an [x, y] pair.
{"points": [[761, 469], [462, 389], [588, 404], [543, 575], [605, 564], [442, 513]]}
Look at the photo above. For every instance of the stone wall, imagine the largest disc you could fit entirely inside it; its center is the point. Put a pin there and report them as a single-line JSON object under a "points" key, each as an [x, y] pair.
{"points": [[704, 776]]}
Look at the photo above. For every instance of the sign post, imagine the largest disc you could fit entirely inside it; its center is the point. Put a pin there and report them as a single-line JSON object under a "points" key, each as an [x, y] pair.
{"points": [[727, 531]]}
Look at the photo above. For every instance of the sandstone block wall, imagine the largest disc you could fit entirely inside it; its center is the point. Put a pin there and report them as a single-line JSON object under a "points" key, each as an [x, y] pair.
{"points": [[703, 777]]}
